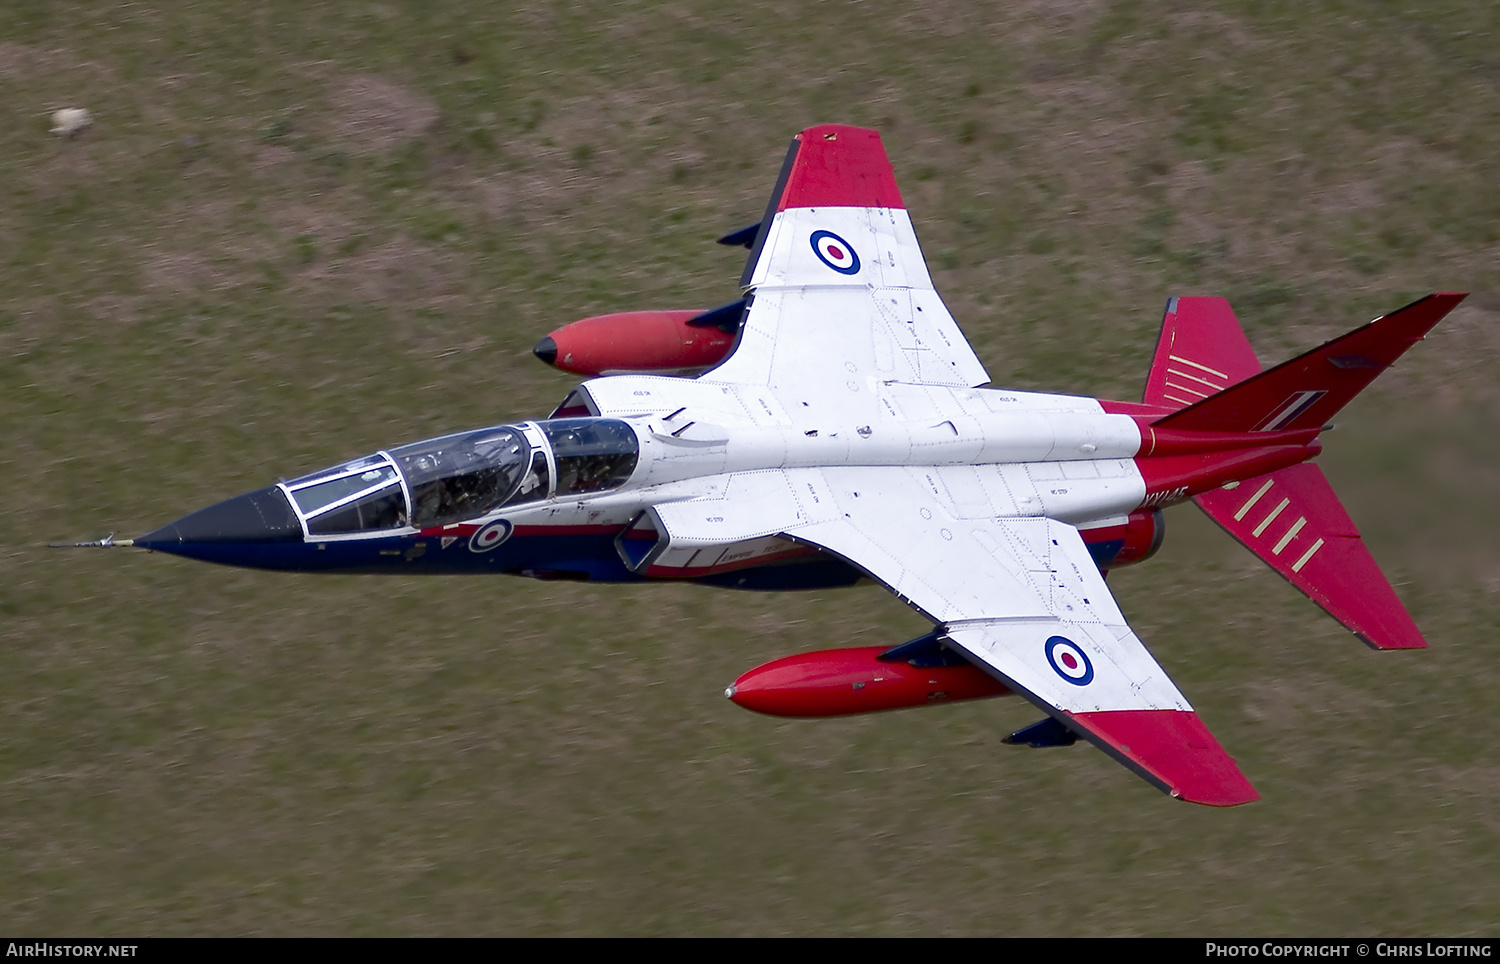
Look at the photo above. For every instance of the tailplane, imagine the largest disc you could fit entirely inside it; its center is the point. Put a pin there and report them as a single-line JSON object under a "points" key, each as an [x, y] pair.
{"points": [[1294, 522]]}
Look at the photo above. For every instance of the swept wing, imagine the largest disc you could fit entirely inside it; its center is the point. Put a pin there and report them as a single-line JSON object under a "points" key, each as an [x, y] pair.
{"points": [[837, 282], [1022, 598], [841, 307]]}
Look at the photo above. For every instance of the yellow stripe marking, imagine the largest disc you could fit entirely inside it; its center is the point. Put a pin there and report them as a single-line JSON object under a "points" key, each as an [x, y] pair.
{"points": [[1240, 515], [1271, 518], [1184, 388], [1290, 535], [1174, 398], [1186, 361], [1195, 378], [1297, 566]]}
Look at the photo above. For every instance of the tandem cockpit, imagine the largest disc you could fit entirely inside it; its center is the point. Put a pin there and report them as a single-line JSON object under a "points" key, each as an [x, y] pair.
{"points": [[455, 478], [466, 475]]}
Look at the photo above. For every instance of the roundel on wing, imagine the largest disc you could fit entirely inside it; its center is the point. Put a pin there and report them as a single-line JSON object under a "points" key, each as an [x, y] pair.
{"points": [[1069, 661], [835, 252], [490, 536]]}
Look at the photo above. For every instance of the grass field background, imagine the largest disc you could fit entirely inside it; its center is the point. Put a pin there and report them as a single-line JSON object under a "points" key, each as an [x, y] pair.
{"points": [[298, 232]]}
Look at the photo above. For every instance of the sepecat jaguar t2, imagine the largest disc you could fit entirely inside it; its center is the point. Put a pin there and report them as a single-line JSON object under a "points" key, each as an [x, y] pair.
{"points": [[832, 426]]}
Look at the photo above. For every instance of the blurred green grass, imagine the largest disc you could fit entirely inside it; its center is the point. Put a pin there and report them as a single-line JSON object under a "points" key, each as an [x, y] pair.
{"points": [[297, 232]]}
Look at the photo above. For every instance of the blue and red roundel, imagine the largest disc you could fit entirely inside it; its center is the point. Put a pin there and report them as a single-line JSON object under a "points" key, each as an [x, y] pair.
{"points": [[835, 252], [490, 536], [1068, 661]]}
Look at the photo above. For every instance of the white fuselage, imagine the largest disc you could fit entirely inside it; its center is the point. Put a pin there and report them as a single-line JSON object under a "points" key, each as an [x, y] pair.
{"points": [[984, 452]]}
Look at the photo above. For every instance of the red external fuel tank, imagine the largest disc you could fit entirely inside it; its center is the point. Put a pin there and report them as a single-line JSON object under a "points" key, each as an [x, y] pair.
{"points": [[655, 342], [843, 682]]}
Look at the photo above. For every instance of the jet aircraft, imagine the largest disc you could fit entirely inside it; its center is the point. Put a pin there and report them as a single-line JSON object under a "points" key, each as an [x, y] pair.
{"points": [[833, 425]]}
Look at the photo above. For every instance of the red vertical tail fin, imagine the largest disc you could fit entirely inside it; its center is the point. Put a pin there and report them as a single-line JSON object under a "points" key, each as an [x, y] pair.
{"points": [[1310, 389], [1202, 351]]}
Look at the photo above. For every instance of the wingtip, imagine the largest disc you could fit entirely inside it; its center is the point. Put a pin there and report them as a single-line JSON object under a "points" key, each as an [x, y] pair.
{"points": [[1223, 786], [1221, 802], [1411, 640], [839, 165], [1172, 749]]}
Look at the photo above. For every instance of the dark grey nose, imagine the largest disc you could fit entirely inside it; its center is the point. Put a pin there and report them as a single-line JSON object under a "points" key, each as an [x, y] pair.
{"points": [[260, 516]]}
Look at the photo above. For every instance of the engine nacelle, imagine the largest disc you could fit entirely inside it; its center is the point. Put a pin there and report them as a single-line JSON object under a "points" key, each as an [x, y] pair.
{"points": [[1124, 545], [842, 682], [637, 342]]}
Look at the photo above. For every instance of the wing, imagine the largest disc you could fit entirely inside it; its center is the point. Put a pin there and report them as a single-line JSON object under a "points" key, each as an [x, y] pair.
{"points": [[1023, 599], [839, 292]]}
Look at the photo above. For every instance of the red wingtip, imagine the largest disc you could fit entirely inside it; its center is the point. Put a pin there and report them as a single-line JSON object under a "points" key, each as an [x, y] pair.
{"points": [[840, 166], [1174, 750]]}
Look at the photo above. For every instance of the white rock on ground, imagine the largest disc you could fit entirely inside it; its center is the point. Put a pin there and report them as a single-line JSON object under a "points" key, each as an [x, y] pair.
{"points": [[70, 121]]}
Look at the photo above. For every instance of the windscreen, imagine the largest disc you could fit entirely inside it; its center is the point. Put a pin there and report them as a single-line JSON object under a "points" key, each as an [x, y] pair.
{"points": [[359, 495]]}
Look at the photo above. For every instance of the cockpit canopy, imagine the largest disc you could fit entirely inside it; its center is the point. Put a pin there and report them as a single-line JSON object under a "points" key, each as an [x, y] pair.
{"points": [[466, 476], [592, 454]]}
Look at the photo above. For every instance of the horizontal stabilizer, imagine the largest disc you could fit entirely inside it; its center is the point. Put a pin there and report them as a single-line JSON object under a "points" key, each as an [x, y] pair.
{"points": [[1171, 748], [1310, 389], [1202, 350], [1294, 522]]}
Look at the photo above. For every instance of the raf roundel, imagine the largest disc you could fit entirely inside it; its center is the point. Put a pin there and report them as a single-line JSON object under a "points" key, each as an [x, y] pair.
{"points": [[490, 536], [835, 252], [1068, 661]]}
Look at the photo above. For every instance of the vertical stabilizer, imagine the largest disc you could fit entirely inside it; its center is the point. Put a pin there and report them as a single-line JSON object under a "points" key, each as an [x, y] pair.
{"points": [[1202, 350], [1310, 389]]}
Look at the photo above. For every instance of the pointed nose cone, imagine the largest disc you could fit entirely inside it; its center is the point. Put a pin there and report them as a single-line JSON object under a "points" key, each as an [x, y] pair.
{"points": [[546, 350], [262, 516]]}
